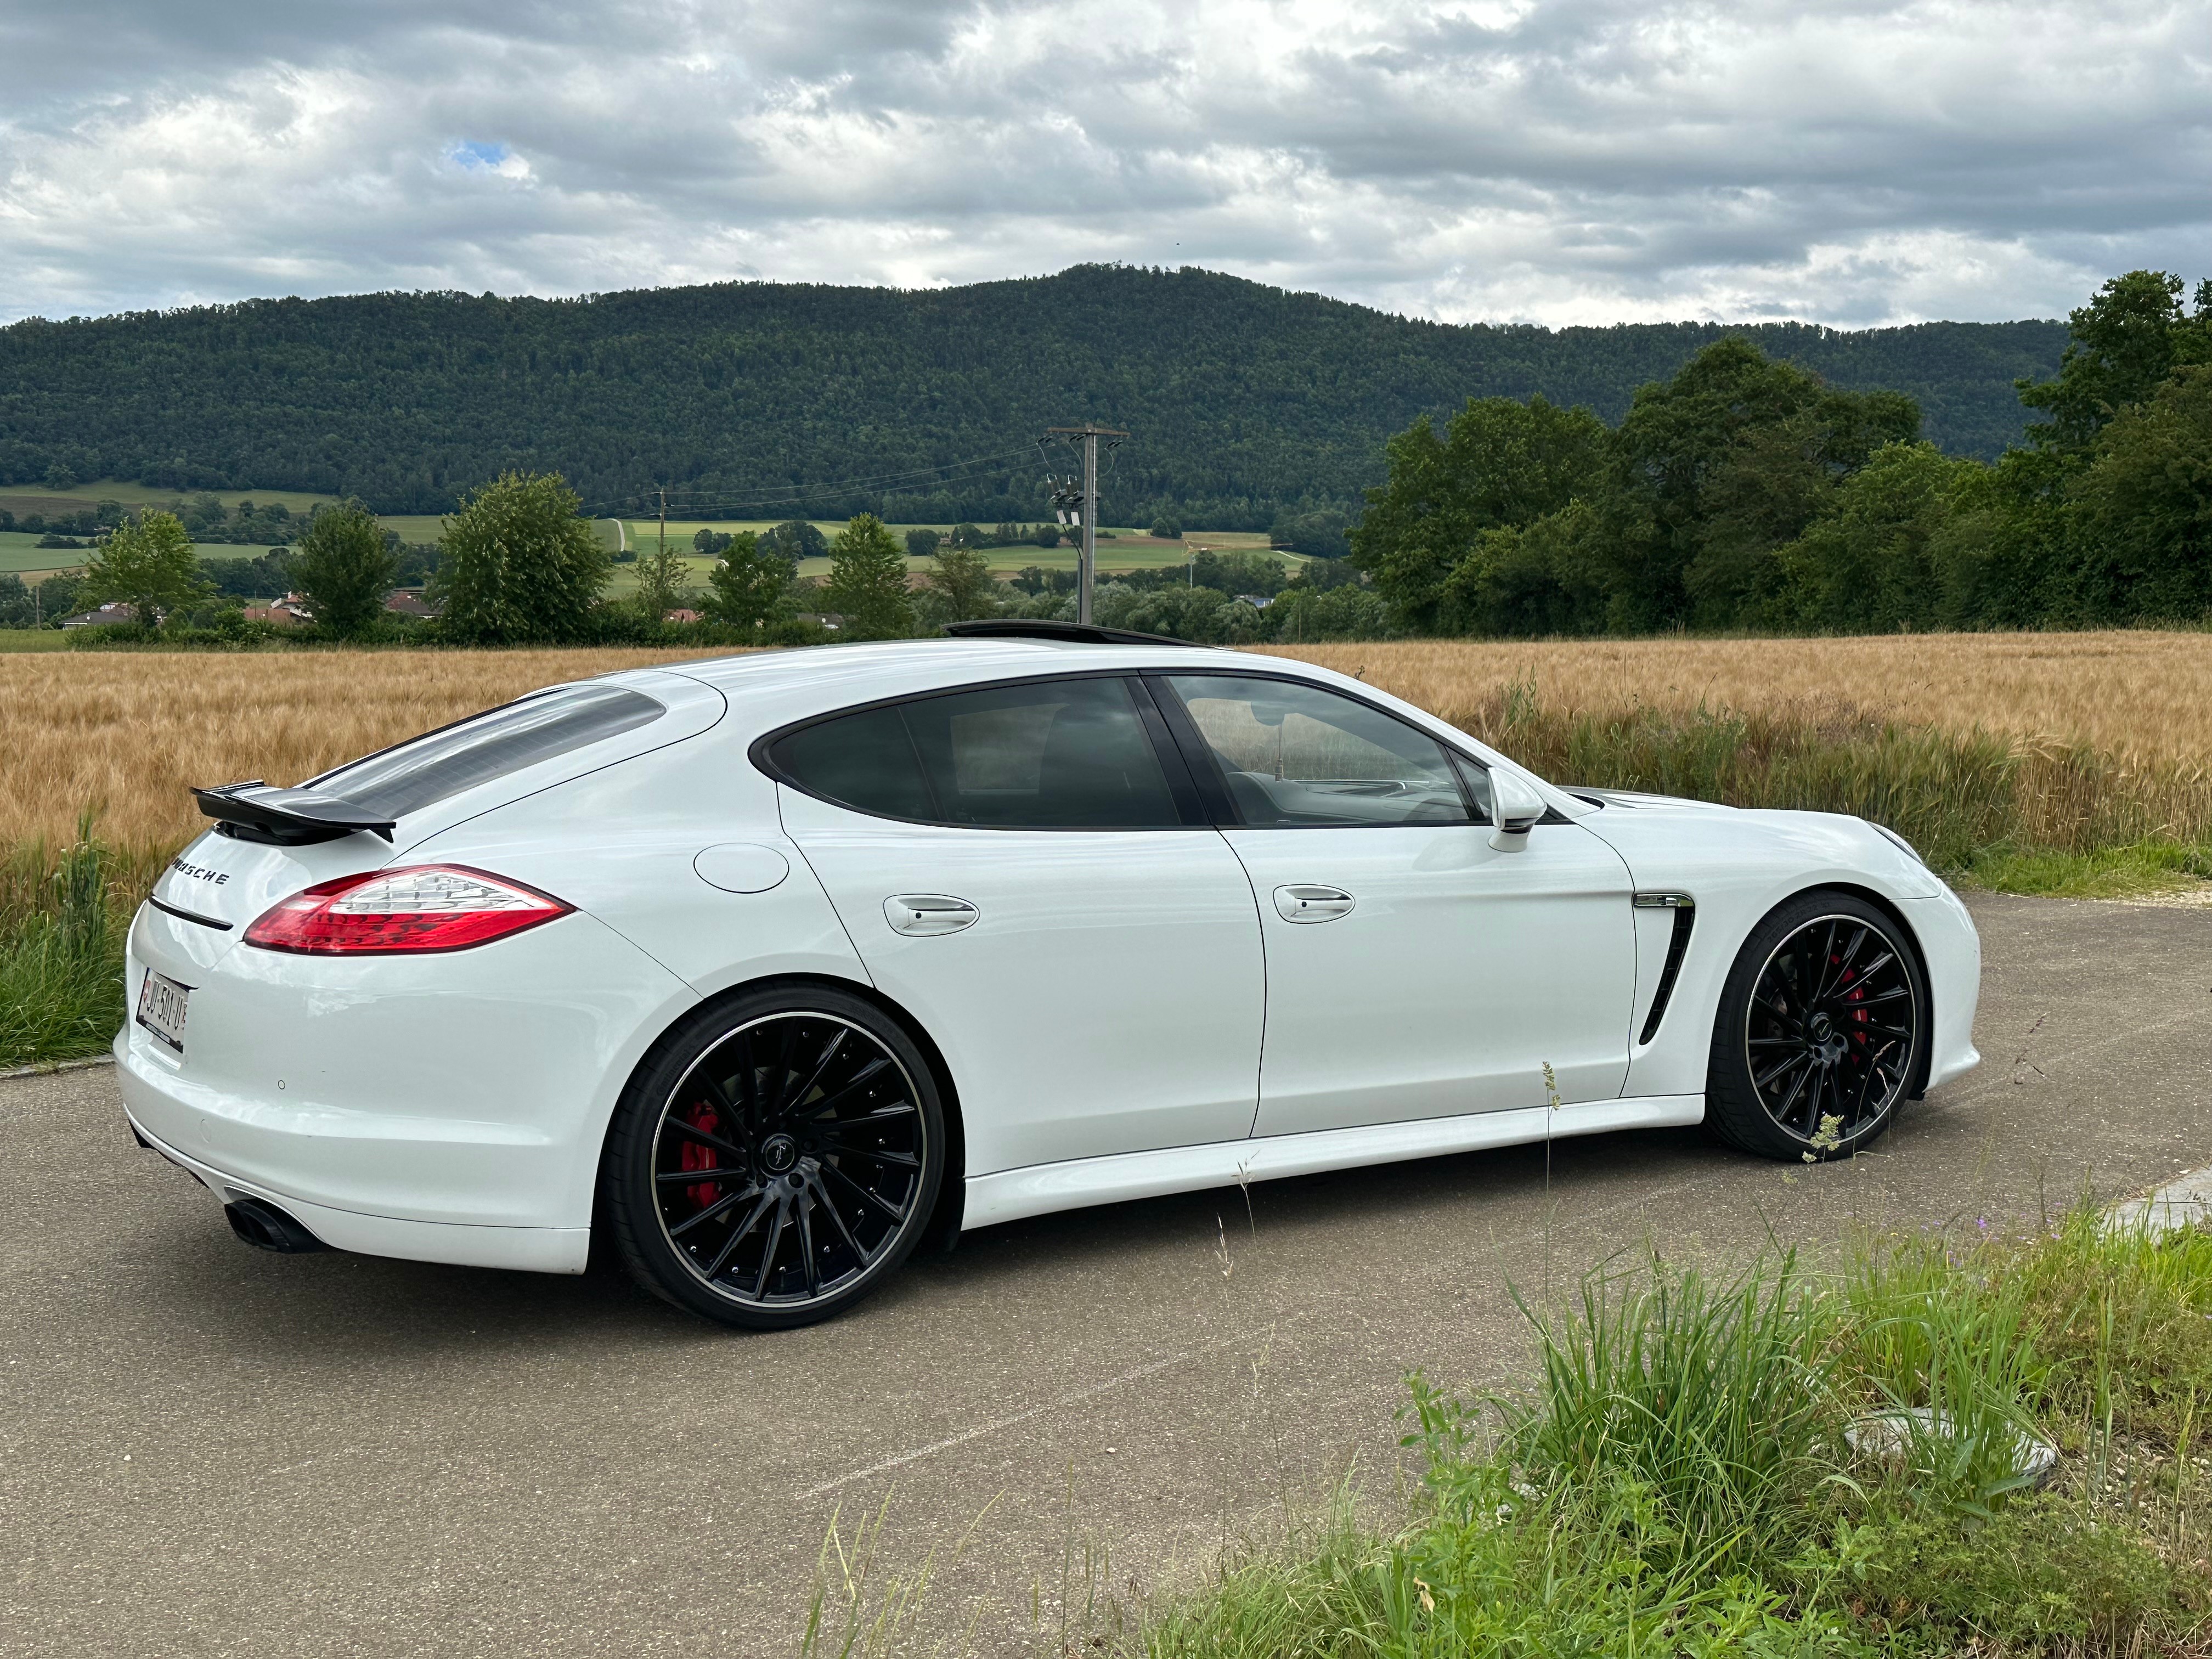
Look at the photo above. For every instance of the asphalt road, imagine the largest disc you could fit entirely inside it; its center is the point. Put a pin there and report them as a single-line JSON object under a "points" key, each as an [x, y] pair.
{"points": [[207, 1450]]}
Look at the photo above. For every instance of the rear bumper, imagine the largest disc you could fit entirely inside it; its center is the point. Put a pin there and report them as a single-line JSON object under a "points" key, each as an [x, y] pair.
{"points": [[446, 1108], [532, 1249]]}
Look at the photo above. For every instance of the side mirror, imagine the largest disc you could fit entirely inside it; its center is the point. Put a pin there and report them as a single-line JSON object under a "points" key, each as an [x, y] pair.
{"points": [[1516, 806]]}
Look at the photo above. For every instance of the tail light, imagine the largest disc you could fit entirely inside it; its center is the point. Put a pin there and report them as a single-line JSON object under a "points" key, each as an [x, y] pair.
{"points": [[424, 907]]}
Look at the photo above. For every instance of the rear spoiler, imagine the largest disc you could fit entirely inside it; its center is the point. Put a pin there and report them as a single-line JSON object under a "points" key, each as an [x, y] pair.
{"points": [[287, 818]]}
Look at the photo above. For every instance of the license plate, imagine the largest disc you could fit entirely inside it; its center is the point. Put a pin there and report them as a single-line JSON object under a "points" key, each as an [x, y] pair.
{"points": [[161, 1009]]}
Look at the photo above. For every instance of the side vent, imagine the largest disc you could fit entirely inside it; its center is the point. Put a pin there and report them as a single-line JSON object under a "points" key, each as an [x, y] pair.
{"points": [[1685, 917]]}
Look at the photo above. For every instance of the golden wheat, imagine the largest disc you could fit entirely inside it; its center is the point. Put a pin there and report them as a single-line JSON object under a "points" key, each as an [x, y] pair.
{"points": [[131, 732], [2137, 694]]}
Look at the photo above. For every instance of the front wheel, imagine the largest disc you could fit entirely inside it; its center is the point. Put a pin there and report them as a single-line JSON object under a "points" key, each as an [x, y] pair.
{"points": [[1823, 1025], [777, 1160]]}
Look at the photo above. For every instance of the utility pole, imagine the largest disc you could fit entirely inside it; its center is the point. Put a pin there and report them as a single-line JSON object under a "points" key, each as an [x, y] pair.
{"points": [[663, 530], [1085, 506]]}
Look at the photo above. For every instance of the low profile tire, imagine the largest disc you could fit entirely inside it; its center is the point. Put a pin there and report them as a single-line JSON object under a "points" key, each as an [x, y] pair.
{"points": [[776, 1160], [1823, 1025]]}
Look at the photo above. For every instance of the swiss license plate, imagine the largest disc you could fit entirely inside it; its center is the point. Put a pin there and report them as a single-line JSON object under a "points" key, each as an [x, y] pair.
{"points": [[161, 1009]]}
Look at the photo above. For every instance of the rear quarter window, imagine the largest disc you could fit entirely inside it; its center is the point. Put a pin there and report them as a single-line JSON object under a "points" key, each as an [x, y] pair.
{"points": [[425, 770]]}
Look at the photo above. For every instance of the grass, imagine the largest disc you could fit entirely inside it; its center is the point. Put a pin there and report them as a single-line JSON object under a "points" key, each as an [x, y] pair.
{"points": [[1678, 1479], [61, 952]]}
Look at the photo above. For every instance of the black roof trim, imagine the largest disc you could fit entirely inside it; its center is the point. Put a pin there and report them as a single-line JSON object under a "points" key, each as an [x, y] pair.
{"points": [[1015, 628]]}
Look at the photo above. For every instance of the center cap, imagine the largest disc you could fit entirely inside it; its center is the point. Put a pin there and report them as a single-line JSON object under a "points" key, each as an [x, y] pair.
{"points": [[1822, 1029], [778, 1152]]}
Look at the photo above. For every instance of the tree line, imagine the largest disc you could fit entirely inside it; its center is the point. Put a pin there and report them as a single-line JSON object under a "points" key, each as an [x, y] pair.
{"points": [[1246, 402], [1746, 493]]}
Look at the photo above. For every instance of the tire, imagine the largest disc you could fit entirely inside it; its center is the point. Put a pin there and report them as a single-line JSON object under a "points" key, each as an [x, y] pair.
{"points": [[816, 1131], [1822, 1029]]}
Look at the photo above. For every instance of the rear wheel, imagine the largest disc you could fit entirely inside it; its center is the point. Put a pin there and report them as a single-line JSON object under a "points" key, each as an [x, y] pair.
{"points": [[777, 1160], [1823, 1025]]}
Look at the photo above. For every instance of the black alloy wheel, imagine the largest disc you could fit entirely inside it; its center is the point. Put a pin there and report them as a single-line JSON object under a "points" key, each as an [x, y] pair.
{"points": [[1823, 1028], [776, 1160]]}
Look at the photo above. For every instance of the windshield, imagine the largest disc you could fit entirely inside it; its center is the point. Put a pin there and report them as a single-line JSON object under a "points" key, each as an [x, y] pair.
{"points": [[427, 769]]}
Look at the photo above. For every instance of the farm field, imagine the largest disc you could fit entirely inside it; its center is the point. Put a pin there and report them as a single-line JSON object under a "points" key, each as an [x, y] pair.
{"points": [[130, 731], [21, 554]]}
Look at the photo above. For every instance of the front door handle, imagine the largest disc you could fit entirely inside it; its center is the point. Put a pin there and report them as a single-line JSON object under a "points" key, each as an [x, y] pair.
{"points": [[923, 914], [1307, 904]]}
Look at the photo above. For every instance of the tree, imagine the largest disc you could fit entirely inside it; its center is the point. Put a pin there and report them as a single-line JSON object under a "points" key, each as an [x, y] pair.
{"points": [[2125, 341], [1873, 562], [1166, 528], [1714, 470], [516, 564], [867, 581], [59, 477], [752, 585], [921, 544], [797, 540], [345, 569], [962, 578], [2144, 512], [664, 582], [148, 564], [1501, 464]]}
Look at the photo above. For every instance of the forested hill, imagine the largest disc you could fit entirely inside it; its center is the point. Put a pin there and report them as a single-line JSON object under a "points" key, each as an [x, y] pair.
{"points": [[1240, 398]]}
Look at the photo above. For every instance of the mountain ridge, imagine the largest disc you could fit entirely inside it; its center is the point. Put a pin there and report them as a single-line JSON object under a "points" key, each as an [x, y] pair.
{"points": [[1242, 398]]}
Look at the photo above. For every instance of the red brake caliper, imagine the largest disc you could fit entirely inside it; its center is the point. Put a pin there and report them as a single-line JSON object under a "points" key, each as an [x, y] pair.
{"points": [[704, 1118]]}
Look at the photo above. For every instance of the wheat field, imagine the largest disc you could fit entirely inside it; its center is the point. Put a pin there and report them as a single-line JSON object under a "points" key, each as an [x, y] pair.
{"points": [[129, 732]]}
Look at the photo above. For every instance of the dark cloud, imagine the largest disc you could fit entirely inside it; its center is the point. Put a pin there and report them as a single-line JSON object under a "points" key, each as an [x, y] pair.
{"points": [[1569, 161]]}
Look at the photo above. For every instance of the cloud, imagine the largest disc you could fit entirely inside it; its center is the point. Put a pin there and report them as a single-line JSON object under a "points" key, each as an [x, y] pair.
{"points": [[1849, 161]]}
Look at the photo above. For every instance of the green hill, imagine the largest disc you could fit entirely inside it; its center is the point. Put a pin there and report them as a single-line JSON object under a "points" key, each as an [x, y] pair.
{"points": [[752, 397]]}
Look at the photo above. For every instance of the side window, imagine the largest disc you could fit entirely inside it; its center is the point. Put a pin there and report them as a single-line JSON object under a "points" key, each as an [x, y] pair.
{"points": [[1041, 754], [1296, 756]]}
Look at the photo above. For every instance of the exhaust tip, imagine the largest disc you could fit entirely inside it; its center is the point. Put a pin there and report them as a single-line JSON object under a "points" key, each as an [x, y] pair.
{"points": [[265, 1227]]}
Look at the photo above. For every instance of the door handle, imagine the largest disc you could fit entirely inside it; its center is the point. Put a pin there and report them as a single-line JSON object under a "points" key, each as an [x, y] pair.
{"points": [[1305, 903], [921, 915]]}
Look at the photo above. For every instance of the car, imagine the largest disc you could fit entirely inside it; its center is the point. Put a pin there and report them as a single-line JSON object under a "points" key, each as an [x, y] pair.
{"points": [[759, 974]]}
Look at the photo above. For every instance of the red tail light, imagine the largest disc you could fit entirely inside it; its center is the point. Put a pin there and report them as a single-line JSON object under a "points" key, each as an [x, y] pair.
{"points": [[424, 907]]}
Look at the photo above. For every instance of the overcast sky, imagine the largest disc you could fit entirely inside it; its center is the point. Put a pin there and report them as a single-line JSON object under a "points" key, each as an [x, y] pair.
{"points": [[1571, 161]]}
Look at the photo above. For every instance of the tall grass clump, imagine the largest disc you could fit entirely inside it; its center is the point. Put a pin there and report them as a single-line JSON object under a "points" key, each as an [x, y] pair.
{"points": [[61, 952], [1785, 1463]]}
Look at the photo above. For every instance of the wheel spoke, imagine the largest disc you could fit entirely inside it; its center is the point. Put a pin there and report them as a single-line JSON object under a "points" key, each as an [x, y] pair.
{"points": [[767, 1255], [860, 1084], [1789, 1101], [804, 1206], [875, 1198], [1779, 1067], [798, 1097], [705, 1136], [837, 1220], [727, 1201], [738, 1235]]}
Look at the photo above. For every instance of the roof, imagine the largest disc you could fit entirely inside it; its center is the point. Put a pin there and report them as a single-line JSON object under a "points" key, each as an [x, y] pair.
{"points": [[890, 667]]}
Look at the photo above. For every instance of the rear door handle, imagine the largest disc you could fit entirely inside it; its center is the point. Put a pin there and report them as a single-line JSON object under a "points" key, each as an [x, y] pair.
{"points": [[923, 914], [1308, 903]]}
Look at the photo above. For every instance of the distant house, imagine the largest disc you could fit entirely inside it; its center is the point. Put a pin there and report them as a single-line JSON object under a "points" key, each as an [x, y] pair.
{"points": [[682, 616], [270, 613], [114, 611], [409, 602], [293, 607], [1257, 601]]}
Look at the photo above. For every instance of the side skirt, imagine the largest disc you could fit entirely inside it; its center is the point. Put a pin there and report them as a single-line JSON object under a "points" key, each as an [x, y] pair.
{"points": [[1010, 1194]]}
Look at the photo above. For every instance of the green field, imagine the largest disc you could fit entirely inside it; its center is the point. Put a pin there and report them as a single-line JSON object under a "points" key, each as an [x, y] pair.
{"points": [[1127, 548]]}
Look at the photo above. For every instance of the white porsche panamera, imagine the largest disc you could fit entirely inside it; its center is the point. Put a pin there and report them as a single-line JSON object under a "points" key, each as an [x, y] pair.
{"points": [[766, 970]]}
